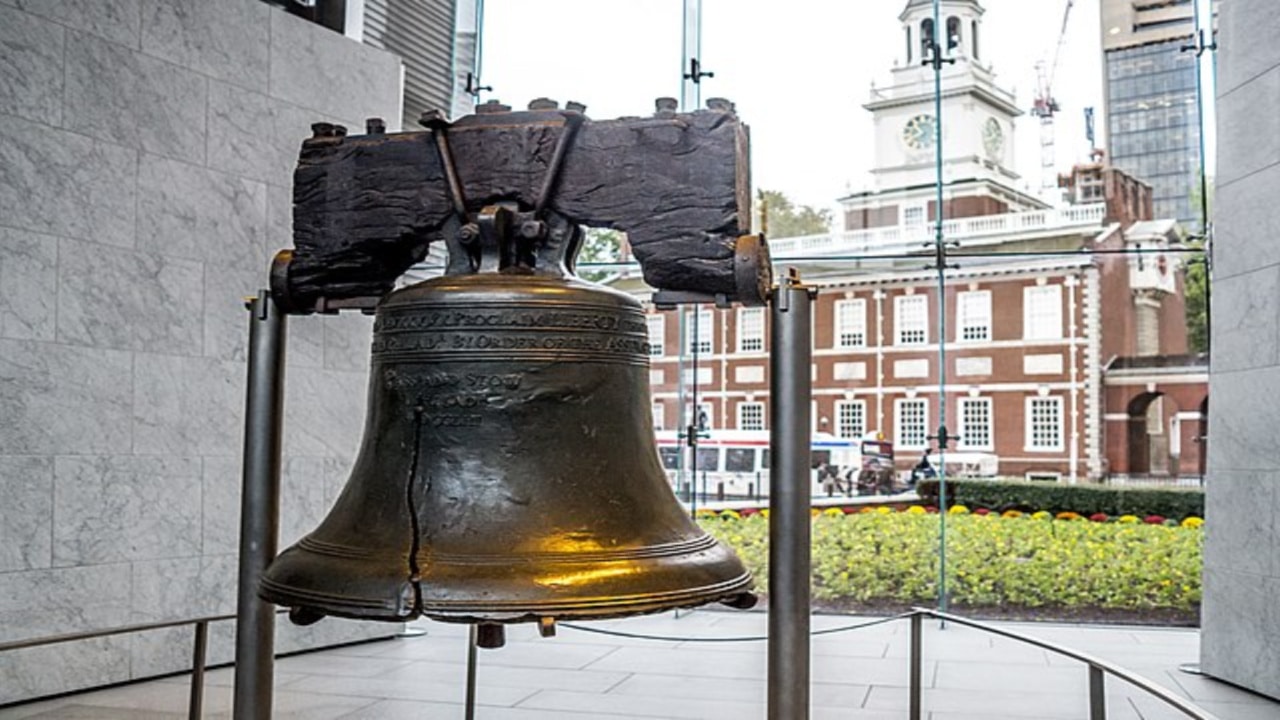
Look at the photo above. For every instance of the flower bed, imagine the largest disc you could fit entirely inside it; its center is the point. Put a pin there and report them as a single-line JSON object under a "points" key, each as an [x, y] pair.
{"points": [[1008, 561]]}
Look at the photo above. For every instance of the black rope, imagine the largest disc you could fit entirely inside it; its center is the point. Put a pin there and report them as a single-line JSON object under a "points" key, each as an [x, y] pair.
{"points": [[741, 638]]}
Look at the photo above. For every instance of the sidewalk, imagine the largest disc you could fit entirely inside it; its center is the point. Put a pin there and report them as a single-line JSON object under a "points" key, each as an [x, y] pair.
{"points": [[859, 675]]}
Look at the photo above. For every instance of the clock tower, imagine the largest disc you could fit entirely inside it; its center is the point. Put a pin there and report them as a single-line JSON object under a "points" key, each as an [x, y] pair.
{"points": [[976, 129]]}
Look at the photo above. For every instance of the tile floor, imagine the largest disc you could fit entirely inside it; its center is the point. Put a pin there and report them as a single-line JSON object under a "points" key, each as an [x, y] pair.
{"points": [[859, 675]]}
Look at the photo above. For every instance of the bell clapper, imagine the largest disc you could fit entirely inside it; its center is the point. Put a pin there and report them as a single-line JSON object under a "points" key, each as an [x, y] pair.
{"points": [[490, 636]]}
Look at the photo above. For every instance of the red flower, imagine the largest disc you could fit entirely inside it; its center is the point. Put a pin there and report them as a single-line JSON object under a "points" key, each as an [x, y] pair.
{"points": [[982, 511], [748, 512], [1099, 517], [1153, 520]]}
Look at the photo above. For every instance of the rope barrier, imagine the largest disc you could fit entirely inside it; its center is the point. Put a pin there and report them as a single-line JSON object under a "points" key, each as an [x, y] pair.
{"points": [[741, 638]]}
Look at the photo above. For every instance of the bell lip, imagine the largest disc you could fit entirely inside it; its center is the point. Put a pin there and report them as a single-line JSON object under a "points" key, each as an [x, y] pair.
{"points": [[587, 607]]}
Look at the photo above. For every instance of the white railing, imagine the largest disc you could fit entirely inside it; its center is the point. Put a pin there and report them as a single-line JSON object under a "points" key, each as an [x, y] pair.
{"points": [[907, 238]]}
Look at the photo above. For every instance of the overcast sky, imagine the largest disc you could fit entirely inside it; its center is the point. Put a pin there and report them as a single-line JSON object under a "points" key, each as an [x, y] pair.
{"points": [[799, 72]]}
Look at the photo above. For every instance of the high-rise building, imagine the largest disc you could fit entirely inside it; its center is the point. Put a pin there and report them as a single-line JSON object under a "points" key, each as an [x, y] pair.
{"points": [[1153, 122]]}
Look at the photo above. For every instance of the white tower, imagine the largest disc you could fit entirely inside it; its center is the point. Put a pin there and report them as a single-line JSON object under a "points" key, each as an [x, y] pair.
{"points": [[977, 115]]}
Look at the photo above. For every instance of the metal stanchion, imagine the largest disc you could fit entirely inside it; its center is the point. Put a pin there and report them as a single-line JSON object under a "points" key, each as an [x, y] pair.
{"points": [[1097, 693], [259, 509], [472, 636], [789, 523], [917, 666], [199, 651]]}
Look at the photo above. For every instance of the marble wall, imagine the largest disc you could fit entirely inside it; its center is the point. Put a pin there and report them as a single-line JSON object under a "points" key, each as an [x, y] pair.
{"points": [[146, 152], [1240, 618]]}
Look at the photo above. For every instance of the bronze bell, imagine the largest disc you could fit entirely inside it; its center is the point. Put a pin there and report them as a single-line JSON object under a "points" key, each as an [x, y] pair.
{"points": [[508, 470]]}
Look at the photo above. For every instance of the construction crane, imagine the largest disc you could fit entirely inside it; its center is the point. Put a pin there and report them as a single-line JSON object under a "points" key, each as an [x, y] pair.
{"points": [[1046, 106]]}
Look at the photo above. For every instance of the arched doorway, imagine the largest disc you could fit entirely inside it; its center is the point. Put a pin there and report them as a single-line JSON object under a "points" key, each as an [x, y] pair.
{"points": [[1148, 445]]}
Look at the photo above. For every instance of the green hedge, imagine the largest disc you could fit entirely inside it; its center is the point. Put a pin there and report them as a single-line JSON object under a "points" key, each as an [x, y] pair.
{"points": [[1060, 497]]}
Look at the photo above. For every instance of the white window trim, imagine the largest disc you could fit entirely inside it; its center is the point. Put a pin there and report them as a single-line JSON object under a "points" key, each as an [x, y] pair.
{"points": [[743, 314], [898, 440], [659, 411], [862, 409], [964, 322], [854, 309], [705, 335], [657, 340], [964, 443], [746, 404], [1031, 331], [898, 326], [1027, 437]]}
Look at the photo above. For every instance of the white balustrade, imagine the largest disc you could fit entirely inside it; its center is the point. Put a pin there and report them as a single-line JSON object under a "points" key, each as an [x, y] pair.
{"points": [[899, 238]]}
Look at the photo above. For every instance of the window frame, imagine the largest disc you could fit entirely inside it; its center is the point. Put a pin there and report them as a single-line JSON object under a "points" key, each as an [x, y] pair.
{"points": [[899, 435], [919, 325], [756, 324], [657, 322], [1029, 441], [658, 413], [840, 406], [965, 316], [966, 433], [1033, 327], [704, 341], [754, 405], [849, 312]]}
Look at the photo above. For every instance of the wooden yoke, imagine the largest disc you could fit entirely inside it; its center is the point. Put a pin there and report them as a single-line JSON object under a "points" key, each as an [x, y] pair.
{"points": [[367, 208]]}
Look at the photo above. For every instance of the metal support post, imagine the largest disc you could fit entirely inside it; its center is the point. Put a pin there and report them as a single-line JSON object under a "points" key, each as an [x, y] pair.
{"points": [[917, 663], [1097, 693], [259, 509], [469, 711], [199, 651], [789, 522]]}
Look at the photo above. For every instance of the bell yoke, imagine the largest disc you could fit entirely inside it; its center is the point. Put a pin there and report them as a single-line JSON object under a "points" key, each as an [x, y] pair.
{"points": [[508, 470]]}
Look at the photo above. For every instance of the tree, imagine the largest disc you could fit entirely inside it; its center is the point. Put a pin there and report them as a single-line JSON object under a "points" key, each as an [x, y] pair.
{"points": [[786, 219], [600, 245]]}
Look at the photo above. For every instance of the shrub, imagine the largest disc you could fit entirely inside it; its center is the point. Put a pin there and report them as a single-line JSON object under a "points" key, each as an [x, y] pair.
{"points": [[893, 558], [999, 495]]}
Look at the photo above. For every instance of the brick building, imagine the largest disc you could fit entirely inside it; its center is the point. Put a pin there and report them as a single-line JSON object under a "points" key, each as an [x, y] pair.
{"points": [[1065, 342]]}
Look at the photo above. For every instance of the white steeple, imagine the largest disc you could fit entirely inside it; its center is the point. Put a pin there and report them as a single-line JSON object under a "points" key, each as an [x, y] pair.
{"points": [[977, 115]]}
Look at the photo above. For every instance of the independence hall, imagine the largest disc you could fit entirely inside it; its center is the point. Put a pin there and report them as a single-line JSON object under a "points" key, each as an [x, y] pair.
{"points": [[1066, 338]]}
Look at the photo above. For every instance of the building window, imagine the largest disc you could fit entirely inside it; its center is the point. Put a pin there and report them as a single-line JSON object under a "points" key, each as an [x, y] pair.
{"points": [[700, 417], [911, 423], [910, 49], [974, 310], [750, 416], [953, 34], [1044, 423], [913, 216], [975, 424], [1042, 312], [659, 411], [750, 329], [700, 329], [911, 319], [851, 323], [926, 38], [657, 334], [851, 418], [973, 39]]}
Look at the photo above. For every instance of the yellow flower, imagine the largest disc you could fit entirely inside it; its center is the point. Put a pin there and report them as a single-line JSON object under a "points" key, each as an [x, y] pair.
{"points": [[833, 512], [729, 514], [1128, 519], [958, 510], [1042, 515], [884, 510], [1011, 514], [1193, 522], [915, 510]]}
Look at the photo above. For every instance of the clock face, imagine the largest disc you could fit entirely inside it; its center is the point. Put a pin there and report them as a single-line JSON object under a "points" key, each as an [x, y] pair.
{"points": [[992, 138], [920, 132]]}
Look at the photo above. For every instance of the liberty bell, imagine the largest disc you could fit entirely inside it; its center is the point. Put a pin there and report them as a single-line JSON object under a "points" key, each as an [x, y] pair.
{"points": [[508, 470]]}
